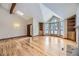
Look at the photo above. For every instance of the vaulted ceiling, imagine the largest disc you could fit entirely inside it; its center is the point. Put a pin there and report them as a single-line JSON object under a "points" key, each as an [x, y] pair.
{"points": [[63, 10], [28, 9]]}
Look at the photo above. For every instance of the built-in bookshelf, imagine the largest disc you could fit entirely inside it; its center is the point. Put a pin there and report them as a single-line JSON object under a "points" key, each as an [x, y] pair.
{"points": [[41, 28], [71, 32]]}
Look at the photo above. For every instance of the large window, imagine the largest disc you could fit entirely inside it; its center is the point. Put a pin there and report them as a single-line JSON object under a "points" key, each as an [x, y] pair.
{"points": [[54, 27]]}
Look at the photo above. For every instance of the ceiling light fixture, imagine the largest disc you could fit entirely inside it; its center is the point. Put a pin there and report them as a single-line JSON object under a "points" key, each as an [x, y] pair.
{"points": [[19, 13]]}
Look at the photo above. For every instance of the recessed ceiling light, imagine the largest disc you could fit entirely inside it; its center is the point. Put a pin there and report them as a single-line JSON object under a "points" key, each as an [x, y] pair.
{"points": [[19, 13]]}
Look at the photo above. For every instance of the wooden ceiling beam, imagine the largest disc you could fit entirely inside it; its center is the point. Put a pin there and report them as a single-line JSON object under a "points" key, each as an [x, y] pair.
{"points": [[12, 7]]}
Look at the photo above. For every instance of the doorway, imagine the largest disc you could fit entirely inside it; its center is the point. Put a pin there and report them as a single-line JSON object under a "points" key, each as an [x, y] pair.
{"points": [[29, 30]]}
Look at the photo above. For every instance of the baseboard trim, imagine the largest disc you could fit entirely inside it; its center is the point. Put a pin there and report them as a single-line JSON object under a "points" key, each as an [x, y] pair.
{"points": [[14, 37], [35, 35], [32, 36]]}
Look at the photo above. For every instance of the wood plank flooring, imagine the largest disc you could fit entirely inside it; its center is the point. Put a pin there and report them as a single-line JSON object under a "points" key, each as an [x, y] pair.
{"points": [[36, 46]]}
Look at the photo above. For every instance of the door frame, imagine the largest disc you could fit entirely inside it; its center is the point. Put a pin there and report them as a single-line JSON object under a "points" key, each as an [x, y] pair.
{"points": [[29, 30]]}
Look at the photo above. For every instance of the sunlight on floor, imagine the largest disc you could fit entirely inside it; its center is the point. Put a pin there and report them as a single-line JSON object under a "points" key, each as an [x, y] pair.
{"points": [[36, 46]]}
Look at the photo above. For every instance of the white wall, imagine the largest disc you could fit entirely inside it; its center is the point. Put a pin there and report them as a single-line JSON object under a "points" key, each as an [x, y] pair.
{"points": [[31, 10], [77, 25], [7, 21]]}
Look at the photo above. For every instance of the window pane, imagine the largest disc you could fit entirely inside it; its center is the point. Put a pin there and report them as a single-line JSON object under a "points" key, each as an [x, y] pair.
{"points": [[52, 28], [62, 27], [55, 32], [46, 28]]}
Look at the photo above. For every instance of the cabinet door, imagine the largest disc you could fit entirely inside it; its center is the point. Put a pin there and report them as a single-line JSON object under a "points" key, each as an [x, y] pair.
{"points": [[71, 35]]}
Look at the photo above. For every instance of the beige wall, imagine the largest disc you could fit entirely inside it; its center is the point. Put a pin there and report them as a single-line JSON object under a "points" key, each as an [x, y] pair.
{"points": [[7, 21]]}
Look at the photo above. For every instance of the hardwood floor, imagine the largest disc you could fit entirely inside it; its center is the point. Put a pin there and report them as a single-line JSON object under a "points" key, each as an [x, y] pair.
{"points": [[36, 46]]}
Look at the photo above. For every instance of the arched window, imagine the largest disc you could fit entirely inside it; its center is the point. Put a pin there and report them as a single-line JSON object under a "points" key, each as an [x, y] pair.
{"points": [[54, 26]]}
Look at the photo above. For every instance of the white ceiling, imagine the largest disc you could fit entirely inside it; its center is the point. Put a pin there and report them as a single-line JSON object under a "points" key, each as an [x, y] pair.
{"points": [[7, 6], [64, 10], [30, 10]]}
